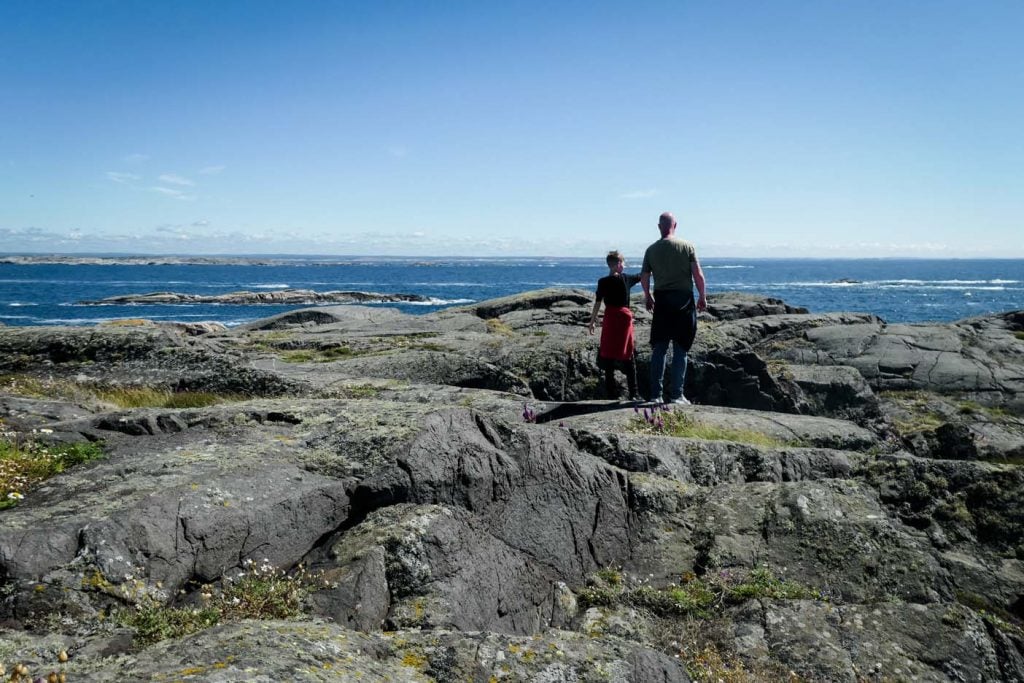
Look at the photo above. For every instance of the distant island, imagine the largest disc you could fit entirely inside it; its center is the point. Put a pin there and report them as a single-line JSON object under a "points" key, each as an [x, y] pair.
{"points": [[70, 260], [283, 296]]}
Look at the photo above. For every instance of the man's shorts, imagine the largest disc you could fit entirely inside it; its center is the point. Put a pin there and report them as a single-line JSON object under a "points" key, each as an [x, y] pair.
{"points": [[675, 317]]}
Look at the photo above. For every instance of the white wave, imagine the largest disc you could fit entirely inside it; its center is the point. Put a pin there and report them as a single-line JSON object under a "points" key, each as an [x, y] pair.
{"points": [[725, 267], [16, 317], [273, 286], [18, 303], [947, 287], [439, 302]]}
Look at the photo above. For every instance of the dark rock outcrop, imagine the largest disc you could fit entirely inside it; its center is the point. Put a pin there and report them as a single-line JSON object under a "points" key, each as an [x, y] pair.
{"points": [[851, 489]]}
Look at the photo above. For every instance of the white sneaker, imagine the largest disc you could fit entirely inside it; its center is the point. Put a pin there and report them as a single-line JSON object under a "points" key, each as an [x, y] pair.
{"points": [[681, 401]]}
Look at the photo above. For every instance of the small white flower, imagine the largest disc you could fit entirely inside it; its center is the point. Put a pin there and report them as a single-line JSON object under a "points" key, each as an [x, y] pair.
{"points": [[14, 495]]}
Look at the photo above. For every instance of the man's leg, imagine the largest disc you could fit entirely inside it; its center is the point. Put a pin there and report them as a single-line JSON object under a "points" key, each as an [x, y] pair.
{"points": [[658, 351], [678, 370]]}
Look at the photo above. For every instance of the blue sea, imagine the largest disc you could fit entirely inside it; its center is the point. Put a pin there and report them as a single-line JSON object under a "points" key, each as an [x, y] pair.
{"points": [[898, 290]]}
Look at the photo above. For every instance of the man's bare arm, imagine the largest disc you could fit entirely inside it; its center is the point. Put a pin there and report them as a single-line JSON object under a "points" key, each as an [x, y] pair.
{"points": [[645, 282], [698, 279]]}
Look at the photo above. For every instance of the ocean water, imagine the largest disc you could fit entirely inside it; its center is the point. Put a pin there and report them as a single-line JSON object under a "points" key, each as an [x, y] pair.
{"points": [[910, 290]]}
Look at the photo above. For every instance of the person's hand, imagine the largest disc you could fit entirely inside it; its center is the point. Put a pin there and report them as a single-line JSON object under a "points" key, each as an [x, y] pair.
{"points": [[591, 327], [702, 304], [649, 302]]}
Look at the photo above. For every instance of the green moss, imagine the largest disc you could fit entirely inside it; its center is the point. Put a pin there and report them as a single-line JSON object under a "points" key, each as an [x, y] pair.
{"points": [[1019, 334], [992, 614], [677, 423]]}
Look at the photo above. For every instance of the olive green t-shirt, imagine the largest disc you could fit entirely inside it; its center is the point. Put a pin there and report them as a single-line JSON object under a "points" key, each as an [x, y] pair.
{"points": [[670, 260]]}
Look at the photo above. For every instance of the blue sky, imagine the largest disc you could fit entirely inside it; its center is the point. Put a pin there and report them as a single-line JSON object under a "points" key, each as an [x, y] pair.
{"points": [[824, 128]]}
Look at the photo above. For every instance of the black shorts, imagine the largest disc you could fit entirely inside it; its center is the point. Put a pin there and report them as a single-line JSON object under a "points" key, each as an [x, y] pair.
{"points": [[675, 317]]}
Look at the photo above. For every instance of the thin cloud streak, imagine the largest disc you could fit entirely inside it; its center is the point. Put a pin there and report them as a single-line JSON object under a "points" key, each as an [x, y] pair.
{"points": [[639, 194], [174, 179], [171, 192], [123, 178]]}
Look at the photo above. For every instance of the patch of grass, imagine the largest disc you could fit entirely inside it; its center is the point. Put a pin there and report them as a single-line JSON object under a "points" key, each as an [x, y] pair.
{"points": [[324, 355], [357, 391], [153, 622], [26, 464], [258, 592], [31, 387], [121, 396], [149, 397], [498, 326], [668, 422], [696, 596], [1019, 334], [917, 423], [969, 408]]}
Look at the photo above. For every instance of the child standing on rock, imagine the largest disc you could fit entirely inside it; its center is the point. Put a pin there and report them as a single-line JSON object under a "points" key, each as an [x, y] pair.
{"points": [[617, 345]]}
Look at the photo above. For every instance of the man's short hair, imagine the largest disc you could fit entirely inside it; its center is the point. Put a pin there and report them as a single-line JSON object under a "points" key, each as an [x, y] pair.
{"points": [[613, 258]]}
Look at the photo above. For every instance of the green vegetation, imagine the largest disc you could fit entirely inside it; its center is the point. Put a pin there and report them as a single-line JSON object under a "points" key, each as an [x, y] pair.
{"points": [[324, 355], [121, 396], [148, 397], [259, 592], [696, 596], [356, 391], [668, 422], [992, 614], [1019, 335], [26, 464]]}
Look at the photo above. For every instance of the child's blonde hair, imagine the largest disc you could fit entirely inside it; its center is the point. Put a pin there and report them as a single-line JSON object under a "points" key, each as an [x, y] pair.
{"points": [[613, 257]]}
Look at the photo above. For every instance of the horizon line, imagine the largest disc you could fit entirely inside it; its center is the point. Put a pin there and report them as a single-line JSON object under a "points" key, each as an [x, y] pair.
{"points": [[228, 256]]}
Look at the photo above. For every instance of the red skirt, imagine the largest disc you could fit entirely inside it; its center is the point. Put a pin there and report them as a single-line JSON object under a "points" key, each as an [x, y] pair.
{"points": [[617, 333]]}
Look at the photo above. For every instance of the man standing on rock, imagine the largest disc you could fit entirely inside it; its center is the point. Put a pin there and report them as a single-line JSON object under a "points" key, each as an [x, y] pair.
{"points": [[674, 265]]}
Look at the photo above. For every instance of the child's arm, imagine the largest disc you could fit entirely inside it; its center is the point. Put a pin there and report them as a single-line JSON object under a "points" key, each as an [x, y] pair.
{"points": [[593, 314]]}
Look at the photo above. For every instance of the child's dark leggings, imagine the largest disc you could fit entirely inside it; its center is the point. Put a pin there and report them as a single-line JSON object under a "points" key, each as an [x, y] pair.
{"points": [[611, 389]]}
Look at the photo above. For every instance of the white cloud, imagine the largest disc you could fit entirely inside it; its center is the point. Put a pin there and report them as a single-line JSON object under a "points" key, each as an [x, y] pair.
{"points": [[171, 192], [211, 170], [135, 158], [173, 179], [638, 194], [123, 178]]}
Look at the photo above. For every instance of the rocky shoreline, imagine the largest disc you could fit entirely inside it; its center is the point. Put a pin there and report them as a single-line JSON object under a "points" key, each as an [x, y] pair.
{"points": [[450, 497]]}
